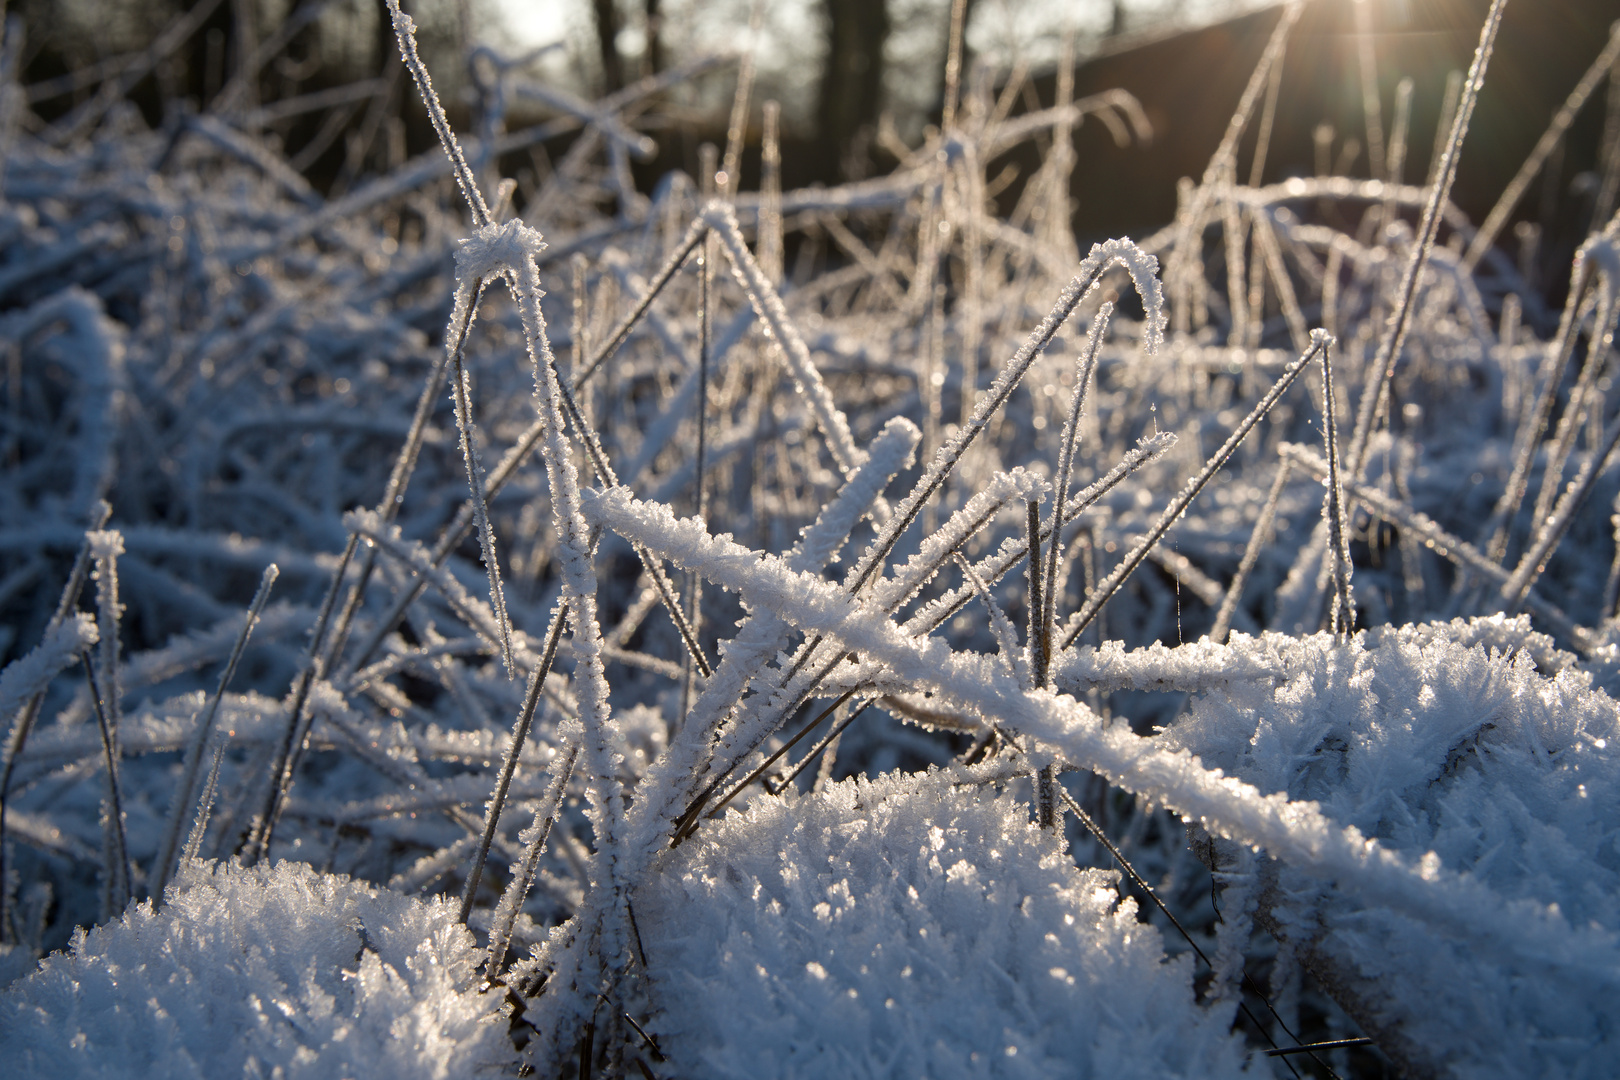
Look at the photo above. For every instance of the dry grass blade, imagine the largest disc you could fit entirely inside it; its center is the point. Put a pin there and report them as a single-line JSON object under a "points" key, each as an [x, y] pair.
{"points": [[1258, 538], [118, 888], [475, 483], [1578, 306], [514, 751], [1601, 68], [545, 815], [1147, 890], [1393, 341], [1342, 619], [610, 346], [181, 809], [1449, 547], [1070, 443], [765, 766], [1038, 632], [1179, 504], [824, 743], [405, 32]]}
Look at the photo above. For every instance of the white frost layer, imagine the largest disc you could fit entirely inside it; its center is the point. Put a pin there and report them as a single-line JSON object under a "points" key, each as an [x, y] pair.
{"points": [[902, 927], [1465, 760], [267, 971]]}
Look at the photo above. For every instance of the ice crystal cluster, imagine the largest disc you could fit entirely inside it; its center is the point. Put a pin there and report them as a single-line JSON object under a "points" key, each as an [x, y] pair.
{"points": [[459, 630]]}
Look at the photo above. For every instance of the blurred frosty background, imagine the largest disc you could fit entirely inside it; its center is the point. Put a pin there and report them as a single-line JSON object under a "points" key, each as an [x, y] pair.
{"points": [[853, 76]]}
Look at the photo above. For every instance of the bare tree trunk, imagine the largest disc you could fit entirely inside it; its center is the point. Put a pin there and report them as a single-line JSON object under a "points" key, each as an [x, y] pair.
{"points": [[852, 82], [608, 26], [654, 62]]}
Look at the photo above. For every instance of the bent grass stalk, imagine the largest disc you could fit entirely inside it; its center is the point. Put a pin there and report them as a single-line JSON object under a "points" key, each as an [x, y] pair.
{"points": [[1069, 443]]}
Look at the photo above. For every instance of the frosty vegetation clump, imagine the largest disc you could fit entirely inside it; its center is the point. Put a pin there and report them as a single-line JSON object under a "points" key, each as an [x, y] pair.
{"points": [[826, 934], [447, 641], [257, 972], [1434, 745]]}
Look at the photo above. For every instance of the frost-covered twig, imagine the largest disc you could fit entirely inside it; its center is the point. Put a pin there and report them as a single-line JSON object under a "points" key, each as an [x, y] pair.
{"points": [[722, 222], [405, 32], [1294, 831], [675, 778], [534, 845]]}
